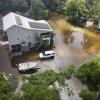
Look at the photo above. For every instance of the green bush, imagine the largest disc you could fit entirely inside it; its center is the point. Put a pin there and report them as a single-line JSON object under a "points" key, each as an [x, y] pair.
{"points": [[88, 95], [32, 92], [47, 78], [89, 72], [68, 73]]}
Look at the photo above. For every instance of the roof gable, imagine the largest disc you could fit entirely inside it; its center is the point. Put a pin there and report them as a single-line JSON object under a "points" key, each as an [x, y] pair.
{"points": [[14, 19]]}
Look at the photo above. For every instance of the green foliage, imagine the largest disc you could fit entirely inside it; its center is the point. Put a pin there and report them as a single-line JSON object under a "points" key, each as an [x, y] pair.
{"points": [[4, 5], [13, 5], [37, 86], [19, 5], [38, 10], [55, 5], [88, 95], [41, 44], [14, 97], [4, 85], [6, 88], [47, 78], [68, 73], [32, 92], [94, 9], [77, 11], [89, 72]]}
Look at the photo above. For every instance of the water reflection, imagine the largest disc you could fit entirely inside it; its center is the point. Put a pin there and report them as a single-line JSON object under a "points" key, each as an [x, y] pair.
{"points": [[79, 39], [90, 45]]}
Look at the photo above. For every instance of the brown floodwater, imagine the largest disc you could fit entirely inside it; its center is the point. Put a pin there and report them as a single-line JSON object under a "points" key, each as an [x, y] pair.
{"points": [[85, 40]]}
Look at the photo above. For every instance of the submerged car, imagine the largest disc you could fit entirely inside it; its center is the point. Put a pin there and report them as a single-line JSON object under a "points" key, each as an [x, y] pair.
{"points": [[27, 66], [47, 54]]}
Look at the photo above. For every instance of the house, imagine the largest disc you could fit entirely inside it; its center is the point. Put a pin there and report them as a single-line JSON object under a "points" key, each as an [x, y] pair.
{"points": [[22, 32]]}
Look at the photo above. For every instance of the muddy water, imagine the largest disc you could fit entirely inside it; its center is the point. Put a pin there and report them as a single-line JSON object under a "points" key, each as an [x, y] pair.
{"points": [[73, 44], [79, 39]]}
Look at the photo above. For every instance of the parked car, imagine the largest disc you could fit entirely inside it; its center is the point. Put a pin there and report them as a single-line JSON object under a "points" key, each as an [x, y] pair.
{"points": [[47, 54], [27, 66]]}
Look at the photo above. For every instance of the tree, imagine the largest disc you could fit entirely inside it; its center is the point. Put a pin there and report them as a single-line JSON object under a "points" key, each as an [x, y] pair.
{"points": [[39, 93], [4, 5], [54, 5], [38, 10], [19, 5], [94, 10], [77, 11], [13, 5], [89, 73], [41, 44]]}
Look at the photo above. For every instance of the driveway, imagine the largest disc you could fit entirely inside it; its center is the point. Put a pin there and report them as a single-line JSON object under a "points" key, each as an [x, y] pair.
{"points": [[5, 65]]}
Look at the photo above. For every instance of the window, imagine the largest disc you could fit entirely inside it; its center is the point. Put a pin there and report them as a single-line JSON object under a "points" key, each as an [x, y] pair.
{"points": [[16, 48], [23, 42], [29, 44], [47, 54], [45, 34], [28, 36]]}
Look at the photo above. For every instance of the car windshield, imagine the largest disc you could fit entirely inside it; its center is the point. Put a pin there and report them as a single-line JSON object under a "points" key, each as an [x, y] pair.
{"points": [[46, 54]]}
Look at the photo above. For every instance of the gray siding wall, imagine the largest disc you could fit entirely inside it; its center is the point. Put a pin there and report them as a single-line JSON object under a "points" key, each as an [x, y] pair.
{"points": [[17, 35]]}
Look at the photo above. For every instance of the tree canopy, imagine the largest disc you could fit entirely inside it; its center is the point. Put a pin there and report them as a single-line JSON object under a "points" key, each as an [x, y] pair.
{"points": [[89, 73], [77, 11]]}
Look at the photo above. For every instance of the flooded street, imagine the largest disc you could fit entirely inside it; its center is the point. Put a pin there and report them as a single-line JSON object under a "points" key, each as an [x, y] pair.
{"points": [[73, 45]]}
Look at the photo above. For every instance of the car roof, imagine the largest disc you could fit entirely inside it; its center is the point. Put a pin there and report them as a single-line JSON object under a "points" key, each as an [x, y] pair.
{"points": [[49, 52]]}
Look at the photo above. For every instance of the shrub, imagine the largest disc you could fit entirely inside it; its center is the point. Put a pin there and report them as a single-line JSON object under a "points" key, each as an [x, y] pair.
{"points": [[88, 95]]}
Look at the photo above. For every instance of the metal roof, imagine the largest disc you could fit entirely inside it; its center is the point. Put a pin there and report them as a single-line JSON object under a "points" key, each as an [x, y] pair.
{"points": [[39, 25], [12, 19]]}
